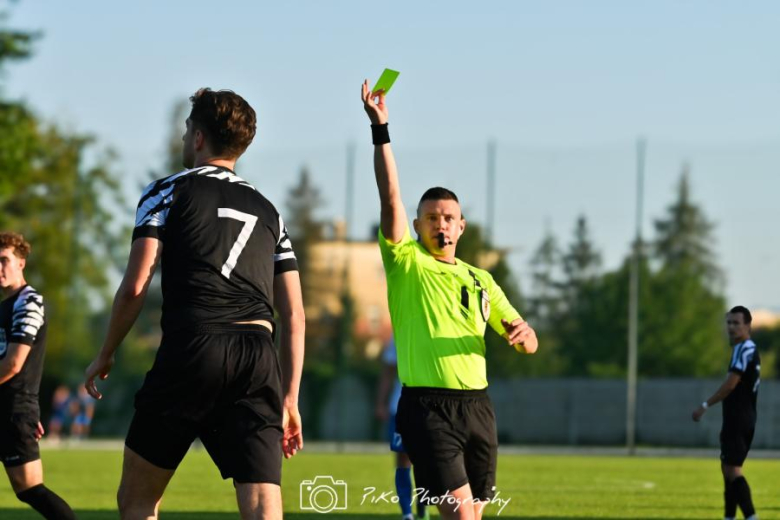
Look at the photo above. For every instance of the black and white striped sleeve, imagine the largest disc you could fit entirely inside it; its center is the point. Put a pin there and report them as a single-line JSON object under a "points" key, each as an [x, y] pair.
{"points": [[742, 356], [153, 208], [27, 318], [284, 256]]}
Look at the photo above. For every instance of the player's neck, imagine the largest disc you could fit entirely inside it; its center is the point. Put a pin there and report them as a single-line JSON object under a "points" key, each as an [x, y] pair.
{"points": [[230, 164], [739, 340], [13, 288]]}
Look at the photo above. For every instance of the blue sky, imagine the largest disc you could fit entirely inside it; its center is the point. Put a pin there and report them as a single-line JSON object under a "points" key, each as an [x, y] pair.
{"points": [[565, 88]]}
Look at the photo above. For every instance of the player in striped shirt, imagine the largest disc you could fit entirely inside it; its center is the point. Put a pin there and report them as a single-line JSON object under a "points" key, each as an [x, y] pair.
{"points": [[227, 266], [739, 394], [22, 347]]}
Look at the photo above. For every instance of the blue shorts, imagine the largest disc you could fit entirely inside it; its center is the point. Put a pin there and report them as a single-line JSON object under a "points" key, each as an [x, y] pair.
{"points": [[396, 444]]}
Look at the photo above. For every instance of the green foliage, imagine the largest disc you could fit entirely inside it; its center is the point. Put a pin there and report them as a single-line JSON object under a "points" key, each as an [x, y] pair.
{"points": [[65, 206], [583, 314], [303, 201]]}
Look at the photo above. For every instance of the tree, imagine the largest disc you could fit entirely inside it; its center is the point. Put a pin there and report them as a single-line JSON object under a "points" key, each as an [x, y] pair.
{"points": [[581, 262], [684, 238], [303, 200], [682, 327], [545, 301], [65, 206]]}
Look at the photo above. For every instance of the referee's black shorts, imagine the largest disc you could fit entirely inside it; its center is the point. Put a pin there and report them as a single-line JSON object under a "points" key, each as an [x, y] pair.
{"points": [[735, 443], [450, 437], [222, 384]]}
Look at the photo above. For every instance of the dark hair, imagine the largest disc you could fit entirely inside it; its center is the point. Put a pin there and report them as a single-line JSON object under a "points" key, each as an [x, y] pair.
{"points": [[438, 193], [739, 309], [15, 240], [226, 119]]}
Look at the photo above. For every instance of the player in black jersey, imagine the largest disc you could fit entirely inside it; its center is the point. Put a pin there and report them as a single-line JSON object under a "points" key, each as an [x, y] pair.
{"points": [[738, 393], [22, 345], [227, 264]]}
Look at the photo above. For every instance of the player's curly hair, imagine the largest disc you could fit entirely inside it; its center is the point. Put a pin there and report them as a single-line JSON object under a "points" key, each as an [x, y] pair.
{"points": [[226, 119], [21, 247]]}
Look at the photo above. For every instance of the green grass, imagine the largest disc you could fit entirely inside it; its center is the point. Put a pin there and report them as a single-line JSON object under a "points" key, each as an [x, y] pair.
{"points": [[544, 487]]}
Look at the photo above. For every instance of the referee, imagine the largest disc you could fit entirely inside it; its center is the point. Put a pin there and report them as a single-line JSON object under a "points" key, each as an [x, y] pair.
{"points": [[440, 307], [227, 264], [738, 393]]}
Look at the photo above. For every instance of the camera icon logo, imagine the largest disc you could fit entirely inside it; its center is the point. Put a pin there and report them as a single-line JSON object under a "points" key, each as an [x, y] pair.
{"points": [[323, 494]]}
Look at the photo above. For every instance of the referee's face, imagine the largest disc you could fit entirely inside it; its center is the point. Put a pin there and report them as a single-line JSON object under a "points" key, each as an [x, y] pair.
{"points": [[736, 328], [436, 217]]}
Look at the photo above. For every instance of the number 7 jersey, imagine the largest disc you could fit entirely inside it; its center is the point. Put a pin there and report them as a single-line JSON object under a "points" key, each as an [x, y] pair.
{"points": [[223, 243]]}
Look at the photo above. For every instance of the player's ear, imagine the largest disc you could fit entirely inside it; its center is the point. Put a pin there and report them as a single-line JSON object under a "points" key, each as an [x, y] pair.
{"points": [[200, 140], [462, 226], [415, 225]]}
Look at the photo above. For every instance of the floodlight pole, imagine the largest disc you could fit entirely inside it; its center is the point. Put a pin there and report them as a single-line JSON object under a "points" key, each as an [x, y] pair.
{"points": [[633, 303], [345, 288], [491, 190]]}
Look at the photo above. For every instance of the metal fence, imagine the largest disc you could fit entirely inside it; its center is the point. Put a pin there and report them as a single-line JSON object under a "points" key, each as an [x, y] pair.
{"points": [[567, 412]]}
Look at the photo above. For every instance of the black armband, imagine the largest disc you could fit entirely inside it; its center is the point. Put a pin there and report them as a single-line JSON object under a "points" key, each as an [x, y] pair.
{"points": [[379, 134]]}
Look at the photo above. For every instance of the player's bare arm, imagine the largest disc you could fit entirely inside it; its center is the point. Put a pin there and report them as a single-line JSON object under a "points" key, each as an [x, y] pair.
{"points": [[144, 256], [393, 220], [728, 386], [289, 305], [389, 373], [521, 336], [13, 361]]}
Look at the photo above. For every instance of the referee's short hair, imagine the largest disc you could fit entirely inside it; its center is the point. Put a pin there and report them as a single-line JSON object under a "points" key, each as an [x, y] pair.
{"points": [[746, 316], [437, 193], [226, 119]]}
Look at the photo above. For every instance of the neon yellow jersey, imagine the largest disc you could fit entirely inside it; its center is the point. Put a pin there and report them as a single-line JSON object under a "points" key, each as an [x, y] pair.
{"points": [[438, 312]]}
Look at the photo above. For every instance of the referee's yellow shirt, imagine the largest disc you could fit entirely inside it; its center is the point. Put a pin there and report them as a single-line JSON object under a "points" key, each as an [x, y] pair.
{"points": [[438, 312]]}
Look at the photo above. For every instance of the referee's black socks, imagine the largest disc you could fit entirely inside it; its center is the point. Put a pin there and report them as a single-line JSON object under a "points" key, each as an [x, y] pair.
{"points": [[47, 503], [730, 499], [741, 491]]}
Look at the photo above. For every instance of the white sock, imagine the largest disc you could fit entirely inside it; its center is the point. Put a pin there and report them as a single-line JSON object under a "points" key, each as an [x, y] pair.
{"points": [[408, 517]]}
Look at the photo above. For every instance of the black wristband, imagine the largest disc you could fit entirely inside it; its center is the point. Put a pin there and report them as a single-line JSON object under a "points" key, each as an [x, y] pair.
{"points": [[379, 134]]}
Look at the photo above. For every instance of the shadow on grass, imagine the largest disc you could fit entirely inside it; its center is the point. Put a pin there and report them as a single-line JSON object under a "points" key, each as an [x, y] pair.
{"points": [[22, 514]]}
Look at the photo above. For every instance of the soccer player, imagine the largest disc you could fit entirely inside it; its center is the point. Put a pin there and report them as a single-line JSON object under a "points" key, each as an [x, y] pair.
{"points": [[83, 412], [22, 346], [738, 393], [386, 409], [440, 306], [227, 264]]}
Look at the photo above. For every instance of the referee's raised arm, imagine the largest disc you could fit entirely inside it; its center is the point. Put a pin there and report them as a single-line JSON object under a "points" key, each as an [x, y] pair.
{"points": [[393, 220]]}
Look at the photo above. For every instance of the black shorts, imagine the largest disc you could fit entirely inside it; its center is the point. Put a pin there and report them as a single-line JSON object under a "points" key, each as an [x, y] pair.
{"points": [[18, 444], [450, 437], [222, 384], [735, 444]]}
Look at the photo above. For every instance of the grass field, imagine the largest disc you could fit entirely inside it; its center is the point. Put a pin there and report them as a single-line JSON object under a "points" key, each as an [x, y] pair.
{"points": [[545, 487]]}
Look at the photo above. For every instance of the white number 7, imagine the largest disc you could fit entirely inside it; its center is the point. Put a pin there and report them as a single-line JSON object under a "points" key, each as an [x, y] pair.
{"points": [[249, 225]]}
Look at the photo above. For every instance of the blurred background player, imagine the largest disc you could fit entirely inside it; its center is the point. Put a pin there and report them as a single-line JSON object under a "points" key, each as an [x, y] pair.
{"points": [[82, 410], [739, 394], [22, 347], [386, 407], [60, 412]]}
